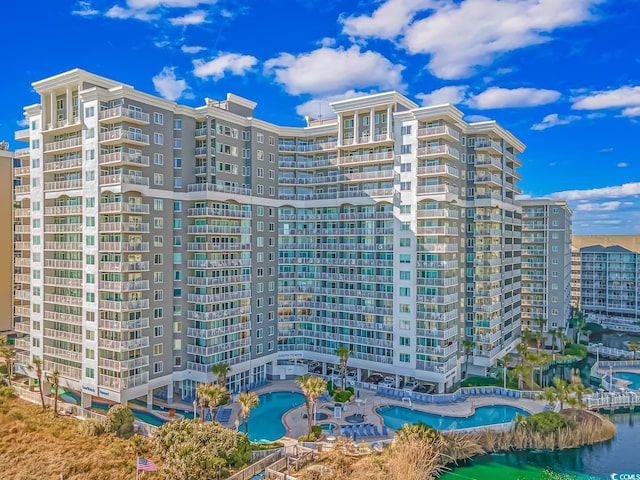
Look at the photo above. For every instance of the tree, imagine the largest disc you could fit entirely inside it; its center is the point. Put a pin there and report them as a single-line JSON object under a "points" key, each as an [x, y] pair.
{"points": [[202, 394], [247, 401], [214, 395], [343, 354], [522, 350], [579, 390], [221, 370], [468, 346], [312, 387], [37, 364], [539, 334], [562, 390], [549, 395], [8, 354], [553, 334], [119, 420], [634, 346], [54, 379]]}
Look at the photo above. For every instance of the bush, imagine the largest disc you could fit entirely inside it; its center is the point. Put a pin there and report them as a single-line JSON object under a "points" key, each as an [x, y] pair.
{"points": [[351, 389], [317, 431], [343, 396], [576, 350], [331, 388], [119, 420], [266, 446], [93, 427], [546, 423]]}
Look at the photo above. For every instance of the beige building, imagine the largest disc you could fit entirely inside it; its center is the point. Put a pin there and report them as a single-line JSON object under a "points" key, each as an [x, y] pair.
{"points": [[6, 242]]}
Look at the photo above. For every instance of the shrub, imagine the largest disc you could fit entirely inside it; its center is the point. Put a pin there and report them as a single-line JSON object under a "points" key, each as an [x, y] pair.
{"points": [[266, 446], [316, 430], [6, 391], [343, 396], [546, 423], [93, 427], [576, 350], [119, 420], [351, 389]]}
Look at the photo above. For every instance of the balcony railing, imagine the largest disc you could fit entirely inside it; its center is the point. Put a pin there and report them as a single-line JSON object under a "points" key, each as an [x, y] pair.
{"points": [[69, 143], [127, 113], [125, 325], [123, 157], [119, 134], [124, 306]]}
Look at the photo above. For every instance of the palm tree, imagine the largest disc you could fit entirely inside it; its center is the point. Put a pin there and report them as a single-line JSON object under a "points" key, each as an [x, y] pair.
{"points": [[587, 333], [468, 346], [313, 387], [202, 391], [8, 354], [37, 364], [549, 395], [553, 332], [343, 354], [215, 395], [54, 379], [221, 370], [634, 346], [533, 360], [522, 350], [539, 334], [580, 391], [247, 401], [562, 390]]}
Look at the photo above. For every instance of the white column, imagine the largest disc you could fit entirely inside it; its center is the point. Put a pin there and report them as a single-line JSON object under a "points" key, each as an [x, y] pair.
{"points": [[149, 398], [85, 400], [340, 130], [170, 392], [69, 107], [389, 113], [371, 125], [356, 130], [52, 108]]}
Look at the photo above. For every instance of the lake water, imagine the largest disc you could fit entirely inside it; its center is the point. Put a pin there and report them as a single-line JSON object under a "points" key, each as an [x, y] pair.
{"points": [[619, 455]]}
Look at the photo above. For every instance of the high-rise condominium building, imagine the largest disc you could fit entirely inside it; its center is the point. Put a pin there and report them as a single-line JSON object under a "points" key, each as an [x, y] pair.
{"points": [[546, 264], [163, 239], [6, 241], [609, 276]]}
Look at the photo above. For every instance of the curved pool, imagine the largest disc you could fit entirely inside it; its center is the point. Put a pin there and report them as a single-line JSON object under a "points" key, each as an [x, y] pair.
{"points": [[395, 417], [265, 421], [634, 378]]}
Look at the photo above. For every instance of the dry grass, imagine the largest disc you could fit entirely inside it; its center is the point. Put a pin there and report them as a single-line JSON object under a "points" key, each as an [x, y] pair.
{"points": [[36, 445]]}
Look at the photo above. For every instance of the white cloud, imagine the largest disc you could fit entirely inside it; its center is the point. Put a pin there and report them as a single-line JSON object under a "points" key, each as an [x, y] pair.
{"points": [[622, 165], [84, 9], [327, 42], [606, 150], [618, 98], [225, 62], [553, 120], [387, 22], [23, 123], [192, 49], [316, 107], [167, 85], [618, 191], [497, 97], [123, 13], [197, 17], [328, 70], [598, 207], [461, 35], [476, 118], [451, 94], [151, 4], [631, 112]]}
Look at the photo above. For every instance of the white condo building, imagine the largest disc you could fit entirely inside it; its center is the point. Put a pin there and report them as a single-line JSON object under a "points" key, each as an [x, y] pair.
{"points": [[156, 240]]}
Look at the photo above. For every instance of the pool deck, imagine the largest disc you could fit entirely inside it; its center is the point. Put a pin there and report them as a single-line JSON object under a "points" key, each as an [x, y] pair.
{"points": [[367, 404]]}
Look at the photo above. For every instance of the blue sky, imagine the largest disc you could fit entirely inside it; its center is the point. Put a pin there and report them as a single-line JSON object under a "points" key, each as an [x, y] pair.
{"points": [[562, 75]]}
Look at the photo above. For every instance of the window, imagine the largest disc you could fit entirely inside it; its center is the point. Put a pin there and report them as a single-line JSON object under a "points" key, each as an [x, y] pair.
{"points": [[89, 260], [158, 259], [246, 154], [177, 124], [405, 357], [260, 189], [89, 222], [406, 130], [405, 167], [157, 367], [259, 333], [405, 258], [177, 163], [555, 210], [272, 140], [405, 226], [158, 138], [158, 222], [157, 331], [89, 372], [158, 179], [246, 136], [404, 308], [554, 261], [158, 159], [260, 155], [405, 275], [91, 132], [259, 349], [260, 138], [405, 149], [405, 341], [271, 346], [158, 118], [260, 172], [177, 223], [177, 182], [158, 313], [405, 242], [158, 204], [554, 299], [158, 277], [177, 143], [405, 292], [554, 311], [89, 112], [158, 295], [554, 248], [90, 202], [177, 258], [177, 206]]}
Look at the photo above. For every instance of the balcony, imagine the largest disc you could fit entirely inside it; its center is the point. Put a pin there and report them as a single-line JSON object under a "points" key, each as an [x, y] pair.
{"points": [[63, 210], [437, 247], [215, 349], [124, 306], [124, 266], [438, 351], [125, 325], [20, 171], [442, 131], [212, 281], [217, 247], [61, 165], [218, 331], [124, 227], [436, 333], [63, 228], [123, 179], [74, 143], [204, 131], [124, 207], [211, 187], [118, 136], [61, 246], [207, 264], [219, 212], [439, 151], [65, 371], [140, 247], [199, 229], [22, 152], [373, 158], [63, 299], [123, 345], [115, 383], [436, 230], [61, 353], [436, 189], [122, 158], [66, 318], [22, 213], [75, 184], [62, 335], [488, 145], [118, 114], [22, 135], [124, 365], [22, 189], [437, 265], [64, 125], [22, 278], [488, 161], [438, 171], [491, 180], [63, 264], [437, 367], [22, 295], [63, 281], [220, 314], [437, 299], [23, 343], [132, 286]]}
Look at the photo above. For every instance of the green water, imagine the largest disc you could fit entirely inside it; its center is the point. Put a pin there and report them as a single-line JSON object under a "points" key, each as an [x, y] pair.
{"points": [[619, 455]]}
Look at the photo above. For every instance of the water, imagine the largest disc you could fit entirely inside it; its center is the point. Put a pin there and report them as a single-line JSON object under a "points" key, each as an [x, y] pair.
{"points": [[619, 455], [634, 378], [265, 421], [396, 417]]}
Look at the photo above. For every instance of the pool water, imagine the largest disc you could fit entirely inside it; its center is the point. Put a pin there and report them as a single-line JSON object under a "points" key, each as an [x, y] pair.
{"points": [[265, 421], [634, 378], [395, 417]]}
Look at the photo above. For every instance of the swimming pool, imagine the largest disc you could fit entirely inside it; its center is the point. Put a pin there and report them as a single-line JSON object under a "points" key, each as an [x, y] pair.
{"points": [[395, 417], [142, 415], [634, 378], [265, 421]]}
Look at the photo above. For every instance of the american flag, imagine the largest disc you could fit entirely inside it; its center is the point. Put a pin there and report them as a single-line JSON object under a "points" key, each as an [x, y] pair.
{"points": [[146, 465]]}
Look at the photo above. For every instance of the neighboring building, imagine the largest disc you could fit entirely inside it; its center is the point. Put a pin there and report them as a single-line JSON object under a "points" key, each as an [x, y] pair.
{"points": [[6, 241], [609, 275], [546, 264], [165, 239], [575, 277]]}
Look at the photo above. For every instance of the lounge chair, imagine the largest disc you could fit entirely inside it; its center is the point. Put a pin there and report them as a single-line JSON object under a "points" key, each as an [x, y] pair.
{"points": [[385, 432], [517, 394], [376, 432], [369, 429]]}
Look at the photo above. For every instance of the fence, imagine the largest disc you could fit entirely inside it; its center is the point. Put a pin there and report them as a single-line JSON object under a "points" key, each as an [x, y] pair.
{"points": [[260, 466]]}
